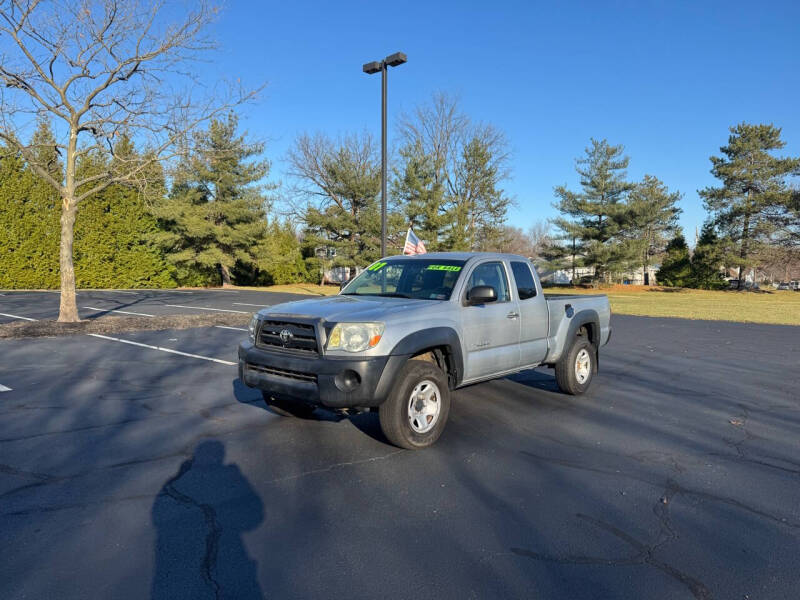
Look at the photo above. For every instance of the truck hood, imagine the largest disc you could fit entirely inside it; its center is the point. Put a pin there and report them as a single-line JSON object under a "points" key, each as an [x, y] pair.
{"points": [[348, 308]]}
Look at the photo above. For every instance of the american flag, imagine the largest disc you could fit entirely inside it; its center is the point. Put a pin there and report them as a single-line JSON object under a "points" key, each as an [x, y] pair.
{"points": [[413, 245]]}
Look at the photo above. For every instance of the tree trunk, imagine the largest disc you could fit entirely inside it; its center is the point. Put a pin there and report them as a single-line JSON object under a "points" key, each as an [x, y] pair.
{"points": [[68, 309], [226, 276], [573, 261], [743, 249]]}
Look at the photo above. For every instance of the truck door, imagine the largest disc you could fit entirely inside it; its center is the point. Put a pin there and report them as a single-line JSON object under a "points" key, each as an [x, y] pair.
{"points": [[491, 330], [534, 317]]}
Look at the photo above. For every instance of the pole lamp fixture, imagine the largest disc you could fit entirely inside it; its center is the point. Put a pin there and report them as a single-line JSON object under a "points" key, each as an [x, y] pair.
{"points": [[380, 66]]}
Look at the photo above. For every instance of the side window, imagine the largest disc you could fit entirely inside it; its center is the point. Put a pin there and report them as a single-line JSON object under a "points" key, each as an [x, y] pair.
{"points": [[493, 274], [526, 288]]}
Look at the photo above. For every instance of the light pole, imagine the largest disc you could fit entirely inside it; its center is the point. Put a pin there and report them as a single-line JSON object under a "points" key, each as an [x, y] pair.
{"points": [[381, 66]]}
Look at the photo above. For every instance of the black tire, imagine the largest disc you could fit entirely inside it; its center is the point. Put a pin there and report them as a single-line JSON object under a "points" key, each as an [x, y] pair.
{"points": [[566, 375], [394, 413], [286, 407]]}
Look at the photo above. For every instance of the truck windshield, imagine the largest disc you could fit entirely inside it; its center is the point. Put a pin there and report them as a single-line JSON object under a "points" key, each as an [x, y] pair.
{"points": [[422, 279]]}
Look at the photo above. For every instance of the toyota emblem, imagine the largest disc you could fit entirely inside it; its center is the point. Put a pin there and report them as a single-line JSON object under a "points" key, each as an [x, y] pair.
{"points": [[286, 336]]}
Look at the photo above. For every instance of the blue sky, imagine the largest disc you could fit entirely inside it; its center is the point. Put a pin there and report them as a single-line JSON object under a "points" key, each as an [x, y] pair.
{"points": [[666, 79]]}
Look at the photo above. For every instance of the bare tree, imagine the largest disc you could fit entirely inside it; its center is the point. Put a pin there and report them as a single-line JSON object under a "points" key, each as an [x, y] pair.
{"points": [[469, 161], [101, 69], [778, 262], [338, 182], [531, 243]]}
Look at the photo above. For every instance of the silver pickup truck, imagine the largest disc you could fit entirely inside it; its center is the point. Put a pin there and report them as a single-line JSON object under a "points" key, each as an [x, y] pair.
{"points": [[410, 329]]}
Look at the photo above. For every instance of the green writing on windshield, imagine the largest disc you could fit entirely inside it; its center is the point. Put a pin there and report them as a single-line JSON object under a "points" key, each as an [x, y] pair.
{"points": [[376, 267], [443, 268]]}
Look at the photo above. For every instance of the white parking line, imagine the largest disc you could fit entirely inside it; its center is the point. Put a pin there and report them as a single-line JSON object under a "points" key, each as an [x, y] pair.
{"points": [[241, 312], [246, 304], [17, 317], [226, 327], [113, 339], [4, 388], [124, 312]]}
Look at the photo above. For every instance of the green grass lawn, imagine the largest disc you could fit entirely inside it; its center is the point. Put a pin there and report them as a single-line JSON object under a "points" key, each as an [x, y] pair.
{"points": [[780, 308], [297, 288]]}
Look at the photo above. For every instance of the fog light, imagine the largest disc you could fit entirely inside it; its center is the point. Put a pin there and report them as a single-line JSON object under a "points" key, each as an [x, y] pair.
{"points": [[347, 380]]}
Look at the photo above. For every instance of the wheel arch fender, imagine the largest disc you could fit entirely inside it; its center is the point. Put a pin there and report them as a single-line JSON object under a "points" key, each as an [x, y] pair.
{"points": [[568, 331], [416, 343]]}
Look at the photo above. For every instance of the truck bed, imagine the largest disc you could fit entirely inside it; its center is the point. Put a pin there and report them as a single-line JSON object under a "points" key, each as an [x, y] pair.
{"points": [[563, 307]]}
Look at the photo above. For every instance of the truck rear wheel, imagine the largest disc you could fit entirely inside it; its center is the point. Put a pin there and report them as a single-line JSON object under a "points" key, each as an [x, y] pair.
{"points": [[415, 413], [288, 408], [575, 370]]}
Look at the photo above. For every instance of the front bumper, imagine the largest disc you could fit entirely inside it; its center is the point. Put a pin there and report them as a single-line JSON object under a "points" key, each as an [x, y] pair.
{"points": [[317, 380]]}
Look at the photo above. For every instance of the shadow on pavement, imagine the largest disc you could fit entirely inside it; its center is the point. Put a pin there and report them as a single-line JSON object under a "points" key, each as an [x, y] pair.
{"points": [[536, 379], [200, 514], [366, 422]]}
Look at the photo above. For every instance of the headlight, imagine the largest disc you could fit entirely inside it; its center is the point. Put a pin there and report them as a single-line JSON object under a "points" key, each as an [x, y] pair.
{"points": [[355, 337], [251, 328]]}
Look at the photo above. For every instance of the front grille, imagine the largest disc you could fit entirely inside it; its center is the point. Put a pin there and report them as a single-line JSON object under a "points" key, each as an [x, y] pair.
{"points": [[289, 374], [297, 337]]}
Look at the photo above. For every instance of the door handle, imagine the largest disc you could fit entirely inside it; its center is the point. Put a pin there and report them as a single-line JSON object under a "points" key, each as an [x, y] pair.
{"points": [[512, 315]]}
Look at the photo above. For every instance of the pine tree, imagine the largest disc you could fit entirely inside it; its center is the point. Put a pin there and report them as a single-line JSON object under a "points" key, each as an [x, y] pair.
{"points": [[597, 215], [114, 229], [280, 257], [215, 215], [479, 206], [341, 180], [676, 267], [29, 217], [754, 193], [456, 169], [652, 217], [707, 260], [419, 196]]}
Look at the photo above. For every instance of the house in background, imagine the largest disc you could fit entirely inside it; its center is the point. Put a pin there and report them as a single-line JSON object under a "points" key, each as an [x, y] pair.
{"points": [[640, 276], [630, 277], [330, 273], [341, 274]]}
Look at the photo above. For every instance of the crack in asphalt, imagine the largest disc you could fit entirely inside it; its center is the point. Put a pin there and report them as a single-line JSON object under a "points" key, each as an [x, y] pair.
{"points": [[73, 430], [680, 489], [336, 466], [50, 509], [743, 454], [10, 470], [214, 532], [53, 479], [645, 553], [205, 413], [185, 452]]}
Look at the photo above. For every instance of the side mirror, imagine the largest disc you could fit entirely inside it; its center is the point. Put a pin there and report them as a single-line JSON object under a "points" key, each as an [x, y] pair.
{"points": [[481, 294], [343, 284]]}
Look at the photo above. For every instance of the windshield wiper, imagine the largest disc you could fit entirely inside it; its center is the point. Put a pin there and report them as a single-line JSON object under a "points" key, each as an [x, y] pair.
{"points": [[384, 294]]}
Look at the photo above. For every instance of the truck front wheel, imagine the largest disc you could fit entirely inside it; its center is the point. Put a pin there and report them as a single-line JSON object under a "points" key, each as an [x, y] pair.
{"points": [[575, 370], [415, 413]]}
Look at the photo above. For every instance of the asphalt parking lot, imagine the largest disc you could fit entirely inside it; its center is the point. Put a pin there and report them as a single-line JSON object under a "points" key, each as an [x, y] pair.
{"points": [[131, 472], [96, 303]]}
